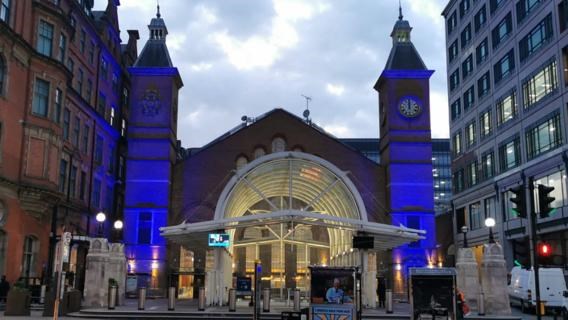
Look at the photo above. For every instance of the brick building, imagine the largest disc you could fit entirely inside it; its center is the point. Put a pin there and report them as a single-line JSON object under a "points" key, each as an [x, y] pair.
{"points": [[63, 88]]}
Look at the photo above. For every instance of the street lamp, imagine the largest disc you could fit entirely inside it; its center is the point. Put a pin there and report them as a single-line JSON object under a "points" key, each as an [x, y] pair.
{"points": [[464, 230], [490, 223], [100, 217], [118, 225]]}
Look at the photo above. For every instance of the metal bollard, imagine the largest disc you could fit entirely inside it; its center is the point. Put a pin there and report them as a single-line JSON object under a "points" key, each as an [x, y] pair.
{"points": [[141, 298], [201, 302], [42, 294], [481, 304], [266, 300], [388, 301], [171, 298], [232, 300], [296, 300], [112, 290]]}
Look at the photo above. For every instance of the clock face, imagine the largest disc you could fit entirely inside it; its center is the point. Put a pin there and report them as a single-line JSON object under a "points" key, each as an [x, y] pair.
{"points": [[409, 108]]}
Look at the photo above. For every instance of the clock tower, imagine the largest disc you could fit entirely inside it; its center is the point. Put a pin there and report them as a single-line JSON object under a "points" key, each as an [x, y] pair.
{"points": [[406, 150]]}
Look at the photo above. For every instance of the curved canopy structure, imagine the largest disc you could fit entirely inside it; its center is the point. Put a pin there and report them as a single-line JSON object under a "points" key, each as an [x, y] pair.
{"points": [[297, 188]]}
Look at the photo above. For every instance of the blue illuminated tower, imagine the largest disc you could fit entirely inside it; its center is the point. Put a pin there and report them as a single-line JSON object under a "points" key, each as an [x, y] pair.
{"points": [[406, 149], [152, 137]]}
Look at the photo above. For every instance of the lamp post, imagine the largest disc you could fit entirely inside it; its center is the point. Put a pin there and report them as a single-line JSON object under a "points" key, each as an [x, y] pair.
{"points": [[100, 217], [490, 223], [118, 225], [464, 230]]}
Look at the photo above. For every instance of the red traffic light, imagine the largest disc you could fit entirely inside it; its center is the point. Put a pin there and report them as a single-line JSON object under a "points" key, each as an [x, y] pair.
{"points": [[544, 250]]}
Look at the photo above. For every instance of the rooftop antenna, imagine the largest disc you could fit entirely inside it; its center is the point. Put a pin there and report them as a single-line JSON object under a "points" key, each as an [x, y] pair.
{"points": [[158, 14], [306, 113], [400, 16]]}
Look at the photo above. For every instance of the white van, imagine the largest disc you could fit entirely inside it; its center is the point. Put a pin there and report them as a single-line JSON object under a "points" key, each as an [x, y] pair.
{"points": [[522, 289]]}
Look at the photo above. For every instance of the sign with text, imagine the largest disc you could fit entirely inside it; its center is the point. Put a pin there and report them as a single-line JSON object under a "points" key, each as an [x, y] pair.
{"points": [[219, 240]]}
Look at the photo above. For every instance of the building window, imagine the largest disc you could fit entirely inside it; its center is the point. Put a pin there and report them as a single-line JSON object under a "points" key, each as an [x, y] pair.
{"points": [[101, 106], [115, 88], [457, 144], [145, 228], [504, 67], [472, 173], [480, 18], [5, 11], [259, 152], [72, 181], [544, 136], [470, 134], [488, 165], [86, 139], [495, 4], [112, 116], [524, 7], [475, 218], [483, 85], [465, 6], [70, 65], [452, 22], [62, 175], [92, 53], [58, 105], [45, 38], [3, 77], [509, 154], [468, 98], [538, 86], [455, 79], [80, 82], [453, 51], [466, 36], [490, 206], [96, 193], [62, 47], [99, 142], [278, 144], [83, 185], [458, 182], [76, 131], [82, 39], [481, 51], [507, 108], [41, 98], [502, 31], [467, 66], [104, 68], [29, 257], [563, 15], [485, 123], [536, 38], [456, 109], [111, 159], [66, 123]]}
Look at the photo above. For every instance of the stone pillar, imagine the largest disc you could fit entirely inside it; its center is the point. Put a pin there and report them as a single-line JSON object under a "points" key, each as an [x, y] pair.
{"points": [[468, 276], [369, 280], [97, 274], [494, 280], [117, 269]]}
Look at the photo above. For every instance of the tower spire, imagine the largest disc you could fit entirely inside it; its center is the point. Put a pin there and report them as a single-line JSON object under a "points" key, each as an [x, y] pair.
{"points": [[400, 16], [158, 13]]}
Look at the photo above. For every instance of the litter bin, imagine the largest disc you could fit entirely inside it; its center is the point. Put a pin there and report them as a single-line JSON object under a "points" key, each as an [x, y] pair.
{"points": [[232, 300], [201, 302], [388, 301], [112, 291], [141, 298], [171, 298], [481, 304]]}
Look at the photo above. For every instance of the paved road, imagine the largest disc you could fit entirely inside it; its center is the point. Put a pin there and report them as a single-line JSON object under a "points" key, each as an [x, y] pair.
{"points": [[532, 316]]}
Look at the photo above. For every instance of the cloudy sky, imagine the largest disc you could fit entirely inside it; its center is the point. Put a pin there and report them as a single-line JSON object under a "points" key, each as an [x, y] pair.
{"points": [[246, 57]]}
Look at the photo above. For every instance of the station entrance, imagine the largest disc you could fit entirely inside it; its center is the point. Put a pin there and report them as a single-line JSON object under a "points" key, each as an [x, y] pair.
{"points": [[289, 210]]}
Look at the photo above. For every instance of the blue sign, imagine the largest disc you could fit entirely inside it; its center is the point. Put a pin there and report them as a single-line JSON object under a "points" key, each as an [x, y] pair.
{"points": [[219, 240]]}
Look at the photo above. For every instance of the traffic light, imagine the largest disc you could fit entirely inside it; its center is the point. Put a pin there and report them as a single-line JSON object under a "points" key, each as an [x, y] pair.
{"points": [[544, 250], [545, 200], [519, 200]]}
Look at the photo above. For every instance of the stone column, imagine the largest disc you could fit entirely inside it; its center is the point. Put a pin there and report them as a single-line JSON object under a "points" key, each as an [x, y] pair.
{"points": [[97, 274], [369, 280], [468, 276], [494, 280], [117, 268]]}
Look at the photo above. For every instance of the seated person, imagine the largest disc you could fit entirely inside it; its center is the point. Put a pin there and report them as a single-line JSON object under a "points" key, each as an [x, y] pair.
{"points": [[334, 294]]}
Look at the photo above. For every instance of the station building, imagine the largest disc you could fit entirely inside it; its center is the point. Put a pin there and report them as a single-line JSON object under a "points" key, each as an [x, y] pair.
{"points": [[288, 193]]}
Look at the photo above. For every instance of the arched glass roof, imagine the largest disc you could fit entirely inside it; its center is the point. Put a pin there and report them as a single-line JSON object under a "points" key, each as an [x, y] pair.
{"points": [[299, 182]]}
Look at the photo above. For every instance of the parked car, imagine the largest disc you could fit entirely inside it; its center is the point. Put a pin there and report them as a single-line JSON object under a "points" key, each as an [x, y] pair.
{"points": [[552, 288]]}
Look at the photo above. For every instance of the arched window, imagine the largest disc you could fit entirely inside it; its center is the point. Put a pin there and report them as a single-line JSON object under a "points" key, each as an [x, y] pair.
{"points": [[5, 10], [278, 144], [29, 257], [259, 152], [241, 162], [3, 75]]}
